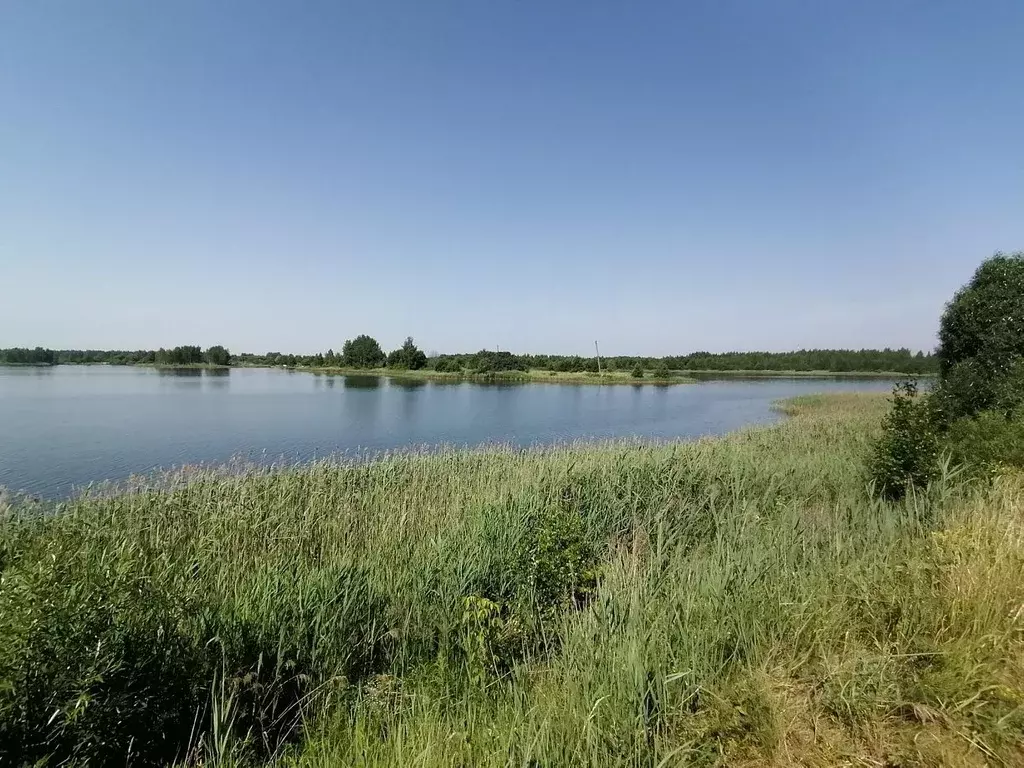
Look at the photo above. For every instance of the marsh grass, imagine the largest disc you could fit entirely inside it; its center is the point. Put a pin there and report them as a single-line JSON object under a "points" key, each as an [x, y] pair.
{"points": [[739, 600]]}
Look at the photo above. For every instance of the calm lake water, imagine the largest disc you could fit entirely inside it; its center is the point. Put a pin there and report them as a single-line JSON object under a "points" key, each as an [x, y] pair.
{"points": [[64, 427]]}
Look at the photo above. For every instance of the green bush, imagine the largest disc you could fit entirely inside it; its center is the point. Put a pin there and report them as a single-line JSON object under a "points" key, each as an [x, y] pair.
{"points": [[907, 453], [974, 411], [638, 371], [98, 672], [112, 653], [557, 564], [446, 364], [988, 440]]}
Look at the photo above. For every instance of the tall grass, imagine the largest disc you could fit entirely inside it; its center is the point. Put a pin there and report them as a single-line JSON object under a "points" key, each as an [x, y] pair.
{"points": [[738, 600]]}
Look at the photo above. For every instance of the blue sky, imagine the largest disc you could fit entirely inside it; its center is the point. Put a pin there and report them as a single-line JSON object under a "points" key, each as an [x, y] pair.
{"points": [[662, 176]]}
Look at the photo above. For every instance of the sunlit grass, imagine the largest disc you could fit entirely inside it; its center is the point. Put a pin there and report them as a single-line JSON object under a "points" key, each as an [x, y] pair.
{"points": [[737, 600]]}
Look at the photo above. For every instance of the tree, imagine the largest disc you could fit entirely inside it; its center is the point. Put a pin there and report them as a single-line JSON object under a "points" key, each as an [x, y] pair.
{"points": [[981, 340], [184, 355], [217, 355], [638, 371], [362, 352], [409, 356]]}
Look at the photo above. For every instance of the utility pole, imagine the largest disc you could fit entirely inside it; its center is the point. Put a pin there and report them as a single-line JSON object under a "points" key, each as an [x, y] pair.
{"points": [[598, 351]]}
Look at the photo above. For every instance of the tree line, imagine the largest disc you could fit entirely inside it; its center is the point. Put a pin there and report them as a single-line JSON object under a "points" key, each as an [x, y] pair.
{"points": [[183, 355], [364, 352], [830, 360]]}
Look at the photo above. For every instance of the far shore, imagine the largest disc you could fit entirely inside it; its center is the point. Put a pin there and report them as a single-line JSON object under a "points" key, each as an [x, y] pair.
{"points": [[538, 375], [815, 374], [533, 375]]}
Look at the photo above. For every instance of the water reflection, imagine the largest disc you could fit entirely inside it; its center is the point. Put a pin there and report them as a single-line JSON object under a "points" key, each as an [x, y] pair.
{"points": [[411, 401], [452, 382], [361, 382], [217, 378], [185, 373], [407, 383]]}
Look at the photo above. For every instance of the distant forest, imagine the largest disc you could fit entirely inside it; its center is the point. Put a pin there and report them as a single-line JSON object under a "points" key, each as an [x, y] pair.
{"points": [[364, 352], [185, 355]]}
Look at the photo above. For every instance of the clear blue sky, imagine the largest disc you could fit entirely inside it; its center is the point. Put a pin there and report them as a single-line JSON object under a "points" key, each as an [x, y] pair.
{"points": [[662, 176]]}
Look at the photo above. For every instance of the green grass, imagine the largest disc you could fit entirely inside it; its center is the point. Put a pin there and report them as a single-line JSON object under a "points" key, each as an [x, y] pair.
{"points": [[812, 374], [735, 601]]}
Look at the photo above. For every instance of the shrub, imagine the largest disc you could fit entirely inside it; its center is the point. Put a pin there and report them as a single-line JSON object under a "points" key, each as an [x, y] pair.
{"points": [[557, 561], [447, 365], [662, 372], [907, 453], [111, 653], [988, 440], [103, 670], [638, 371]]}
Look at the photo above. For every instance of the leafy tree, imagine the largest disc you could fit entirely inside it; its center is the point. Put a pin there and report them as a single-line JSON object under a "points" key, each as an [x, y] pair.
{"points": [[184, 355], [638, 371], [218, 355], [362, 352], [981, 341], [974, 413], [661, 371], [409, 356]]}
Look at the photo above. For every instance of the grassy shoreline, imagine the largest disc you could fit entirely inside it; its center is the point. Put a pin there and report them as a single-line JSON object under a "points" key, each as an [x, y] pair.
{"points": [[729, 601], [814, 374]]}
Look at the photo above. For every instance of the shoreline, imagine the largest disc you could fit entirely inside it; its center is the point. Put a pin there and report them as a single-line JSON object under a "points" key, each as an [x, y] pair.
{"points": [[167, 479], [532, 376], [538, 375]]}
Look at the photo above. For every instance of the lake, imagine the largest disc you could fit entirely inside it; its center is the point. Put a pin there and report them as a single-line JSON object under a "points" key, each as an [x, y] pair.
{"points": [[64, 427]]}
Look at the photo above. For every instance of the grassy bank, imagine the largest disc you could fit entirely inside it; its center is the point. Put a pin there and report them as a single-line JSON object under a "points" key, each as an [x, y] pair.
{"points": [[533, 375], [733, 601], [809, 374]]}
